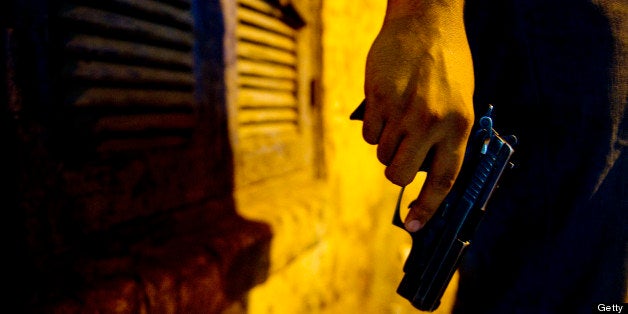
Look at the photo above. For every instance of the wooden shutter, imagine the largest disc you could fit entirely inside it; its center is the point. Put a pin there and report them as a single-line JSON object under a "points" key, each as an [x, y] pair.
{"points": [[269, 111], [127, 66]]}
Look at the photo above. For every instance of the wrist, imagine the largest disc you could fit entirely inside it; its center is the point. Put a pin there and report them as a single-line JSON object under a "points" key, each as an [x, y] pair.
{"points": [[427, 21], [425, 10]]}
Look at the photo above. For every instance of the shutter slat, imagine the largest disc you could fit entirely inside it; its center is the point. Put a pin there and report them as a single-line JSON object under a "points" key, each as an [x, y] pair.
{"points": [[91, 47], [266, 69], [270, 130], [267, 83], [144, 122], [265, 98], [107, 22], [267, 116], [100, 71], [258, 35], [262, 53], [261, 6], [264, 21], [165, 13], [118, 97]]}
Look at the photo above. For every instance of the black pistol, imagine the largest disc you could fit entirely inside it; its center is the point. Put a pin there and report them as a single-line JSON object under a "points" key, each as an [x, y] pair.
{"points": [[439, 246]]}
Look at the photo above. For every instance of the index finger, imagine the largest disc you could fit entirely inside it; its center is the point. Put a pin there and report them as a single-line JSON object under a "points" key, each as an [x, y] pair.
{"points": [[440, 179]]}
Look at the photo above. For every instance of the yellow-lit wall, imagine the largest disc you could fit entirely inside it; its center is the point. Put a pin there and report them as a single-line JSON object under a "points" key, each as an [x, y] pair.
{"points": [[338, 252]]}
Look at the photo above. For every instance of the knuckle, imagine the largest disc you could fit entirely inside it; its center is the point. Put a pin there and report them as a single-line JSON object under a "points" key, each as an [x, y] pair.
{"points": [[462, 122], [383, 156], [428, 120], [379, 94], [369, 134], [421, 210], [397, 177], [372, 129]]}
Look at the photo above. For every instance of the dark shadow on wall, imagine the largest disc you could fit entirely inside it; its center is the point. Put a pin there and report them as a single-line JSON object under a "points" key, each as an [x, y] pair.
{"points": [[137, 225]]}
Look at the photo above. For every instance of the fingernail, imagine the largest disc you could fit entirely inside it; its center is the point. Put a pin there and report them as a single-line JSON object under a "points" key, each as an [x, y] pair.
{"points": [[413, 225]]}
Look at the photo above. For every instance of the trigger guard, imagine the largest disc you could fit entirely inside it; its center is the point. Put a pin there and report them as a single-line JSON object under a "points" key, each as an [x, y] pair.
{"points": [[397, 221]]}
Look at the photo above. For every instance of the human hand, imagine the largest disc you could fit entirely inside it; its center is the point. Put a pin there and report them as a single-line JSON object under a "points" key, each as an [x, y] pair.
{"points": [[419, 94]]}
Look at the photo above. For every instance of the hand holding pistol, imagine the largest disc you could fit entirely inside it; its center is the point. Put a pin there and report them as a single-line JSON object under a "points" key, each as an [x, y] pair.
{"points": [[440, 245]]}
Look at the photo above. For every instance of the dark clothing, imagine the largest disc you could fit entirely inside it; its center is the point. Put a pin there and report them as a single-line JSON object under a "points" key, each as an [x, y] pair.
{"points": [[554, 237]]}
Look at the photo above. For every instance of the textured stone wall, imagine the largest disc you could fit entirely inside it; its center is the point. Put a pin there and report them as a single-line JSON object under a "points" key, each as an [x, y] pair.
{"points": [[334, 248]]}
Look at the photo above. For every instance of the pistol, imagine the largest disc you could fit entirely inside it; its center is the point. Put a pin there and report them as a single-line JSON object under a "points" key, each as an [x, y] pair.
{"points": [[438, 248]]}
